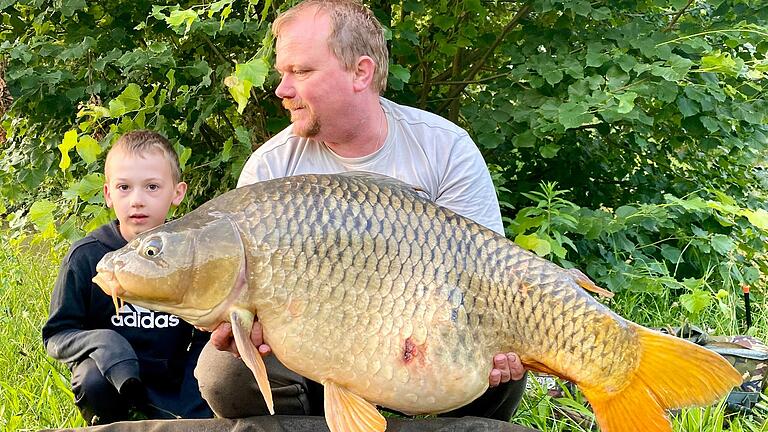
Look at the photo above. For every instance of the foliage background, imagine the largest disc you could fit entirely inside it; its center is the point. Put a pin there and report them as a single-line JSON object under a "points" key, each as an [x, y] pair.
{"points": [[626, 138]]}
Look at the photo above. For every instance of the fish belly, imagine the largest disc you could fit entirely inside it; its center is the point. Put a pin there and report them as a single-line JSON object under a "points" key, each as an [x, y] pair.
{"points": [[406, 356]]}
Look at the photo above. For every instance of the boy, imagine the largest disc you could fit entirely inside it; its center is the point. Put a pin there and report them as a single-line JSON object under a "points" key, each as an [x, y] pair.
{"points": [[135, 359]]}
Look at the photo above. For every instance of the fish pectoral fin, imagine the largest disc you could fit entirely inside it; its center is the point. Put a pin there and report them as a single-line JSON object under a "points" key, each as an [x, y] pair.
{"points": [[242, 322], [348, 412], [585, 282]]}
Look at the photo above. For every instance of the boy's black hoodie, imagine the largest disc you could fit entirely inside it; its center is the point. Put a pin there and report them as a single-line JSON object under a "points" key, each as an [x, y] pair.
{"points": [[82, 323]]}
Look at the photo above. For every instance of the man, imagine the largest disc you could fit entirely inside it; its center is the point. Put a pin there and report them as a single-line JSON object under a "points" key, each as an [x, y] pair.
{"points": [[332, 58]]}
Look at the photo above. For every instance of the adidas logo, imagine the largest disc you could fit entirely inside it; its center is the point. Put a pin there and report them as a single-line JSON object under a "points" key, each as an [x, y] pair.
{"points": [[136, 316]]}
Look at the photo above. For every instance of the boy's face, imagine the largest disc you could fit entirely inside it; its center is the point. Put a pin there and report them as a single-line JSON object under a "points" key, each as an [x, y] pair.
{"points": [[141, 190]]}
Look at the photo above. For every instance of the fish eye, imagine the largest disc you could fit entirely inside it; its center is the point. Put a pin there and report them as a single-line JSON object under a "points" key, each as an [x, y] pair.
{"points": [[152, 248]]}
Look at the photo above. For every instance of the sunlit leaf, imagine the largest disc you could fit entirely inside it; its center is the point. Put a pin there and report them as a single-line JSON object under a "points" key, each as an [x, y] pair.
{"points": [[533, 243], [69, 142], [184, 17], [88, 149], [696, 301], [128, 101], [41, 214]]}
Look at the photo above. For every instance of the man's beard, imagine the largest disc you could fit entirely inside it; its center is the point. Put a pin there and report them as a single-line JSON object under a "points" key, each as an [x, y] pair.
{"points": [[313, 124]]}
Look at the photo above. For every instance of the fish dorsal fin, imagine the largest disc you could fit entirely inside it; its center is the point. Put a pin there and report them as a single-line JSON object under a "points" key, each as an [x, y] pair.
{"points": [[242, 321], [585, 282], [392, 182], [348, 412]]}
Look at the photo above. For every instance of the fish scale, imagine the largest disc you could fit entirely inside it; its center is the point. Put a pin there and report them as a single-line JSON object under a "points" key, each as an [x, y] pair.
{"points": [[388, 299]]}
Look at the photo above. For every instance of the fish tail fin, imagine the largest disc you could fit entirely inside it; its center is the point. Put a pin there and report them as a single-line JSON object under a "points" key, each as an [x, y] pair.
{"points": [[672, 373]]}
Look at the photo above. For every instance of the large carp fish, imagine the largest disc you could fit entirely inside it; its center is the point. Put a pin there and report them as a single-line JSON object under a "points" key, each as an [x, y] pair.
{"points": [[388, 299]]}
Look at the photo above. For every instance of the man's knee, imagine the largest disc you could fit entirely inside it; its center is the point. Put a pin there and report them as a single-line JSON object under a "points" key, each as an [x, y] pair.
{"points": [[95, 397], [231, 391]]}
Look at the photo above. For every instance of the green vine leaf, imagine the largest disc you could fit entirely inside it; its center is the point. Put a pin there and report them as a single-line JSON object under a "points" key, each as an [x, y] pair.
{"points": [[69, 142], [88, 149]]}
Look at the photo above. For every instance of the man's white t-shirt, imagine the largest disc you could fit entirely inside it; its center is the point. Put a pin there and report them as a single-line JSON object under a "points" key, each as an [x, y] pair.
{"points": [[421, 149]]}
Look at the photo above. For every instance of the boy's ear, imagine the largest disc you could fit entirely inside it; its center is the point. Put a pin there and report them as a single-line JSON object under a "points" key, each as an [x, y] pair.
{"points": [[107, 198], [178, 196]]}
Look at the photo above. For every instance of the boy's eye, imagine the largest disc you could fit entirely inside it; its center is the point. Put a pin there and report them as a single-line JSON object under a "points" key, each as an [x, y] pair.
{"points": [[122, 187], [153, 187]]}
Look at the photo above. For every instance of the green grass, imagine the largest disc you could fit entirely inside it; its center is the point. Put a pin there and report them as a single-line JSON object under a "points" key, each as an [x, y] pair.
{"points": [[34, 389]]}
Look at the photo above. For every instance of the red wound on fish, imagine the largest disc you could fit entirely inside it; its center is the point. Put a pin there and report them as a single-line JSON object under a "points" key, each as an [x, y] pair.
{"points": [[413, 351]]}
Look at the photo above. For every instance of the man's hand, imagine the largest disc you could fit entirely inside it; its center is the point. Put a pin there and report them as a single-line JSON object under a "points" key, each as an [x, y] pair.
{"points": [[506, 367], [223, 339]]}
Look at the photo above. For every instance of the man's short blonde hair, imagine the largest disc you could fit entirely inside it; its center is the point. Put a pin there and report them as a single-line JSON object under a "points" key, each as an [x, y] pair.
{"points": [[355, 32], [142, 142]]}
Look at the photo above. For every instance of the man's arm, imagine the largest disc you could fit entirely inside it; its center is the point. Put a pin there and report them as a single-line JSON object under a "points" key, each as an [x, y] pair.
{"points": [[466, 186]]}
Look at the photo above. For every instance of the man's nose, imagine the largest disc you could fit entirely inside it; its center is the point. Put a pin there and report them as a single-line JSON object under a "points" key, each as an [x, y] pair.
{"points": [[285, 89]]}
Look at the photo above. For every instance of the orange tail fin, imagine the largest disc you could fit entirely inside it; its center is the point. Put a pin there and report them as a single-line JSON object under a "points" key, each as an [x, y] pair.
{"points": [[673, 373]]}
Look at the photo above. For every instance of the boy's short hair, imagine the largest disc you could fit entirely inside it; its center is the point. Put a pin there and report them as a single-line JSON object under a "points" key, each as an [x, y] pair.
{"points": [[141, 142]]}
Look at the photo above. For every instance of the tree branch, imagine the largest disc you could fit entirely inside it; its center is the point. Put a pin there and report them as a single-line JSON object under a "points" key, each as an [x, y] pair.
{"points": [[458, 89], [677, 16]]}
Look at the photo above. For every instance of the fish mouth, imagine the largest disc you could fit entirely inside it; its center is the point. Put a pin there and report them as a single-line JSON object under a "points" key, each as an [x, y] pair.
{"points": [[106, 280]]}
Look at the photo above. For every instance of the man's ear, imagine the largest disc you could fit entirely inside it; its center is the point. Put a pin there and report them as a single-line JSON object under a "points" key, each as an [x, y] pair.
{"points": [[179, 192], [107, 198], [364, 70]]}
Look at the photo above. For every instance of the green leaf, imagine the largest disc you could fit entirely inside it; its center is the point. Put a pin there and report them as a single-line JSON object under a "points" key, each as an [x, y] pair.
{"points": [[41, 214], [70, 141], [240, 91], [758, 218], [86, 188], [254, 71], [687, 107], [671, 253], [572, 115], [474, 6], [178, 18], [69, 229], [711, 124], [490, 140], [128, 101], [626, 102], [247, 75], [400, 72], [243, 137], [184, 155], [626, 211], [721, 62], [549, 151], [98, 217], [533, 243], [696, 301], [553, 76], [88, 149], [595, 55], [68, 7], [722, 244], [524, 140]]}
